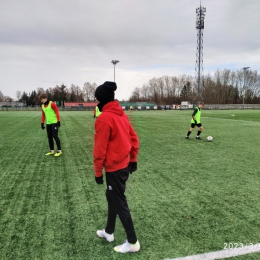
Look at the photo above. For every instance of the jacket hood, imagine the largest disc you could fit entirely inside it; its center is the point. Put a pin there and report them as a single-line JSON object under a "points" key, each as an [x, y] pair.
{"points": [[113, 107]]}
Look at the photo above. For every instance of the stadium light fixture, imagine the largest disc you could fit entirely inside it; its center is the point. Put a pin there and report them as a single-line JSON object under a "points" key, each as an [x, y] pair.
{"points": [[114, 62]]}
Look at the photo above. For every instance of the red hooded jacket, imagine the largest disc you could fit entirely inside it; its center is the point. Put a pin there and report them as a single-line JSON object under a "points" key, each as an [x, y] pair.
{"points": [[115, 141]]}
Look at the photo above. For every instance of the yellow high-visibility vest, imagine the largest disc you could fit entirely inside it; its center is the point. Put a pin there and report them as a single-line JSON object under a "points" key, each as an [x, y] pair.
{"points": [[97, 112]]}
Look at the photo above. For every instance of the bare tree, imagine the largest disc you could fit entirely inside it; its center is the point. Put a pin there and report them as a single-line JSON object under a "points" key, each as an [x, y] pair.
{"points": [[1, 97], [18, 94], [256, 84], [136, 95], [154, 90], [145, 92], [89, 91]]}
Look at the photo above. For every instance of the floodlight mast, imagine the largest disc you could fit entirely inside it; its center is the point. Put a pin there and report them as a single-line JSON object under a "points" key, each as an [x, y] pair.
{"points": [[200, 11], [245, 71], [114, 62]]}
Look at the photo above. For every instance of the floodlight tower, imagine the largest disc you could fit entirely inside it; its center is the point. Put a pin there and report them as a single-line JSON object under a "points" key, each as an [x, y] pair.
{"points": [[200, 11], [114, 62]]}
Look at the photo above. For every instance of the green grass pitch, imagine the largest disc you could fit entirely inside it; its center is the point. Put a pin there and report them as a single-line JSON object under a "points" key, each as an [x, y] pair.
{"points": [[187, 197]]}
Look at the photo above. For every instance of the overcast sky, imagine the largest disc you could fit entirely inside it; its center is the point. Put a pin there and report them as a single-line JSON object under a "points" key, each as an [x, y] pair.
{"points": [[45, 43]]}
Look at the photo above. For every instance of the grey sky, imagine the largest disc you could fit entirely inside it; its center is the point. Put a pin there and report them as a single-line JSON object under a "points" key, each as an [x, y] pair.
{"points": [[45, 43]]}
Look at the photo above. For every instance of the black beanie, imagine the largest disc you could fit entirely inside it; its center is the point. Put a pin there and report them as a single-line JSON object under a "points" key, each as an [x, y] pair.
{"points": [[105, 92]]}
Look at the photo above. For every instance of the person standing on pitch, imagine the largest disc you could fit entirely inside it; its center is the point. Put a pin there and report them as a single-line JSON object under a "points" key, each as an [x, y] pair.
{"points": [[116, 147], [96, 112], [195, 121], [50, 113]]}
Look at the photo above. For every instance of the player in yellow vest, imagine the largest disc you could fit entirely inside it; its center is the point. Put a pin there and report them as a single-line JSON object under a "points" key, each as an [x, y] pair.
{"points": [[195, 121], [51, 116], [97, 112]]}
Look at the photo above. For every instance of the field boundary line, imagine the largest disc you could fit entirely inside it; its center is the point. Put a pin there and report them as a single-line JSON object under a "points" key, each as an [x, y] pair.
{"points": [[232, 120], [226, 253]]}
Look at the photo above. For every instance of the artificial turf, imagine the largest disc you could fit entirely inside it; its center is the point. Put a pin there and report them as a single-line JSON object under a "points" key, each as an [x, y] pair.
{"points": [[187, 197]]}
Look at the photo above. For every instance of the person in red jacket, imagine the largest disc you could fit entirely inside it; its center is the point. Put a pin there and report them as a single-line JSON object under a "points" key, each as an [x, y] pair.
{"points": [[115, 149]]}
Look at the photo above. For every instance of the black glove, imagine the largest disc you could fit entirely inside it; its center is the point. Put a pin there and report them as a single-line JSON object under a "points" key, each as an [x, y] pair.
{"points": [[132, 167], [99, 180], [195, 121], [58, 123], [94, 116], [42, 126]]}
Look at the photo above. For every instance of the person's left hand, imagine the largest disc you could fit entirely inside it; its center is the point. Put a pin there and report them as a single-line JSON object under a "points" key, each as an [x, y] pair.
{"points": [[99, 180], [58, 123], [132, 167]]}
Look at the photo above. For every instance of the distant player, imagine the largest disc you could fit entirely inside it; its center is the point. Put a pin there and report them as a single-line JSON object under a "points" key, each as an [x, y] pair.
{"points": [[50, 114], [195, 121], [97, 112], [131, 108]]}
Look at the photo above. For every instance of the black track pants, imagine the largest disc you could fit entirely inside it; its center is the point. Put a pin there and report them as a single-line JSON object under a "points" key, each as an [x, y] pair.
{"points": [[117, 203], [52, 133]]}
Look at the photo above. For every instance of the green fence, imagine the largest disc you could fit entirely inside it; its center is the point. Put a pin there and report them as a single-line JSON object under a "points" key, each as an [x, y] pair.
{"points": [[140, 107]]}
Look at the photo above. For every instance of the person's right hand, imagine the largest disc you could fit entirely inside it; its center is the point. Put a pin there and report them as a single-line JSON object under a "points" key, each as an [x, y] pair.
{"points": [[42, 126]]}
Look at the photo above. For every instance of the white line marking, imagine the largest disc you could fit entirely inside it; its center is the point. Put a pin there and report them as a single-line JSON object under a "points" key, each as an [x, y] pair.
{"points": [[222, 254]]}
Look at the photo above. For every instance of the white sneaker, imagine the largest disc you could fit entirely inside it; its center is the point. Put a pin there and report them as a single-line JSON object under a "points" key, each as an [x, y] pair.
{"points": [[127, 247], [103, 234]]}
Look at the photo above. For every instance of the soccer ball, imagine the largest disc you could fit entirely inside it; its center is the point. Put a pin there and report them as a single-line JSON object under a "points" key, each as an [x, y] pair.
{"points": [[209, 138]]}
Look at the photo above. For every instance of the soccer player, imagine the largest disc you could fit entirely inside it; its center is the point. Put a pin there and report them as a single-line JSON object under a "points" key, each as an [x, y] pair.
{"points": [[50, 114], [116, 147], [195, 121], [96, 112], [131, 108]]}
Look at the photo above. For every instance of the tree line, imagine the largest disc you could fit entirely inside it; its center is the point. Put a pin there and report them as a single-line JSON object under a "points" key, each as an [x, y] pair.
{"points": [[224, 87], [58, 93]]}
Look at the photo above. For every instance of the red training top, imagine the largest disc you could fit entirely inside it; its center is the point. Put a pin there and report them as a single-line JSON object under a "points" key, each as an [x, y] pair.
{"points": [[115, 141]]}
